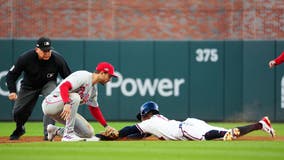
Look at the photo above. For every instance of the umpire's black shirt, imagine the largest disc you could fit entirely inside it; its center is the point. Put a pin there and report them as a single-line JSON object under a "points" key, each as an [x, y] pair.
{"points": [[36, 72]]}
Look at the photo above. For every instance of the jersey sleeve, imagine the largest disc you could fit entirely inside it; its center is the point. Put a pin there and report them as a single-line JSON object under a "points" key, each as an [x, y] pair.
{"points": [[64, 91], [145, 126], [14, 73], [64, 69], [279, 59], [97, 113], [132, 131]]}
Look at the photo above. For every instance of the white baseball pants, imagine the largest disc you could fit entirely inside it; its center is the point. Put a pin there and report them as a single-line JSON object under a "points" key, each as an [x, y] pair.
{"points": [[53, 105]]}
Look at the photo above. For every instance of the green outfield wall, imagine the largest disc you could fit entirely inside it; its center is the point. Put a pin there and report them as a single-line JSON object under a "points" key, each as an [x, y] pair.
{"points": [[211, 80]]}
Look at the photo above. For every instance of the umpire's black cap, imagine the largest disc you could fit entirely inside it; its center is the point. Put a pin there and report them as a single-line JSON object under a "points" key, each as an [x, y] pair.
{"points": [[44, 44]]}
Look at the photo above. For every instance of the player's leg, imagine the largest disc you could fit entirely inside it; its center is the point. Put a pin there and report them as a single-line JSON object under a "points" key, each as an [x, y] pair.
{"points": [[52, 130], [46, 121], [69, 133], [83, 128], [264, 124], [22, 110], [240, 131], [196, 129], [214, 134], [248, 128], [204, 131], [46, 90], [53, 106]]}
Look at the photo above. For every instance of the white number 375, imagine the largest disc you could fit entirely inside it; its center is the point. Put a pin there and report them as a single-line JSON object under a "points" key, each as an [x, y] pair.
{"points": [[206, 55]]}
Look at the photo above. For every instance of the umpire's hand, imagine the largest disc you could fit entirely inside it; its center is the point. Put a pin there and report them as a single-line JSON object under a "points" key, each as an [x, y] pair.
{"points": [[13, 96]]}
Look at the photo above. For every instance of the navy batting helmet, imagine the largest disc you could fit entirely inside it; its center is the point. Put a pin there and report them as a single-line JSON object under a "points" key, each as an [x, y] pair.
{"points": [[146, 108]]}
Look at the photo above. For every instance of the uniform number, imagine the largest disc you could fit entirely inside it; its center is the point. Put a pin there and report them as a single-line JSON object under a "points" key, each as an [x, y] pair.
{"points": [[206, 55]]}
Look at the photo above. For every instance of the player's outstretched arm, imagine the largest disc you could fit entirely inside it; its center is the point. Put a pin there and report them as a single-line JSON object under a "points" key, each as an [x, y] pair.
{"points": [[128, 132], [276, 61], [131, 132]]}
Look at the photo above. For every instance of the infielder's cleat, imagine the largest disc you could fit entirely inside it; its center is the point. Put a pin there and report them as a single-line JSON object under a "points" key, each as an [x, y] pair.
{"points": [[92, 139], [71, 138], [266, 126], [51, 132], [231, 134], [18, 132]]}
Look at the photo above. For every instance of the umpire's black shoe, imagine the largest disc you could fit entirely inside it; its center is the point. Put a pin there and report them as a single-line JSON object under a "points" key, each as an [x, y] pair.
{"points": [[45, 138], [18, 132]]}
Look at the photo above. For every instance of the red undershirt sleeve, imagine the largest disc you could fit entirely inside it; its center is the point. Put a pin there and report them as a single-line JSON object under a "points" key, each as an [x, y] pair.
{"points": [[96, 112], [280, 59], [64, 91]]}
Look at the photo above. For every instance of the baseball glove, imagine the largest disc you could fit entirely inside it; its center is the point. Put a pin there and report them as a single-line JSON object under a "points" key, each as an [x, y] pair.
{"points": [[110, 133]]}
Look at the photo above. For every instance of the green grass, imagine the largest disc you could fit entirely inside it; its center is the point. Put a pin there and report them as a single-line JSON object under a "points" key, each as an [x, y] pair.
{"points": [[146, 150], [149, 150]]}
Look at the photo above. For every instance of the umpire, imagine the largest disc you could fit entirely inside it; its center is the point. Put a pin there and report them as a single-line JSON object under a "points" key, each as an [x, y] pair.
{"points": [[41, 67]]}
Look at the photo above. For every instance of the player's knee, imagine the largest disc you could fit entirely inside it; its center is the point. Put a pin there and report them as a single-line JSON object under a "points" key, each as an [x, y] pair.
{"points": [[213, 134], [89, 134], [86, 133]]}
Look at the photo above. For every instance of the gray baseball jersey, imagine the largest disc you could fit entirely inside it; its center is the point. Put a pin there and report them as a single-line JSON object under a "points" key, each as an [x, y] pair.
{"points": [[81, 82], [82, 92]]}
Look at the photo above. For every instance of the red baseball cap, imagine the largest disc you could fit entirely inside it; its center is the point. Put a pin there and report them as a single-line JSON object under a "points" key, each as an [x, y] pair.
{"points": [[106, 67]]}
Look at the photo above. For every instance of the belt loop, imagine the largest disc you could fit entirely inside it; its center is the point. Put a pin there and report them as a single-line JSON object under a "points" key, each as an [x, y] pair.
{"points": [[180, 125]]}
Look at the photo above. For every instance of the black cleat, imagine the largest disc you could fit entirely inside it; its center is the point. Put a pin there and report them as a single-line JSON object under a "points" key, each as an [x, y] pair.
{"points": [[18, 132], [45, 138]]}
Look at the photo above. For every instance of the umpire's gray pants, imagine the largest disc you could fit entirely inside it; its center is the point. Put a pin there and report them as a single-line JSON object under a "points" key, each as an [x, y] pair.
{"points": [[26, 102]]}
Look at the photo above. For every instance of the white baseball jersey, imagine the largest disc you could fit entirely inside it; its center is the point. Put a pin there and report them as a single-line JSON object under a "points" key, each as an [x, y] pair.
{"points": [[81, 82], [190, 129]]}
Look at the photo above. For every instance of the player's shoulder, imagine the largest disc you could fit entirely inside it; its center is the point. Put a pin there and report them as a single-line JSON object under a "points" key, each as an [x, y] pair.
{"points": [[58, 58], [82, 73], [27, 57], [28, 54], [81, 76], [57, 55], [159, 116]]}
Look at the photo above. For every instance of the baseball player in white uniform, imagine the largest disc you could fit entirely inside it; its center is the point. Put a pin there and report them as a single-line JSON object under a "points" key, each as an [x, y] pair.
{"points": [[153, 123], [62, 104]]}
